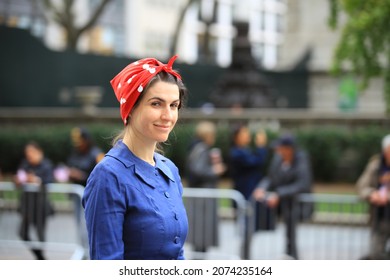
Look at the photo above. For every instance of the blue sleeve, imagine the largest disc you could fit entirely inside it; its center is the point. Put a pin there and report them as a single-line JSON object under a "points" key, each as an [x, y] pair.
{"points": [[105, 207]]}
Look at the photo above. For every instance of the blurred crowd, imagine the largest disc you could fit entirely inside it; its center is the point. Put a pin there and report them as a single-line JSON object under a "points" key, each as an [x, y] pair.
{"points": [[271, 174], [36, 171]]}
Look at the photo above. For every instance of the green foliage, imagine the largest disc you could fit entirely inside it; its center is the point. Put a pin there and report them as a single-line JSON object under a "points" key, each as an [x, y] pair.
{"points": [[364, 46], [336, 154], [54, 139], [339, 154]]}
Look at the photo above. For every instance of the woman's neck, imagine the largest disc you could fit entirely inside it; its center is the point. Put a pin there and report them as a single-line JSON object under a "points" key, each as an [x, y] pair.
{"points": [[140, 148]]}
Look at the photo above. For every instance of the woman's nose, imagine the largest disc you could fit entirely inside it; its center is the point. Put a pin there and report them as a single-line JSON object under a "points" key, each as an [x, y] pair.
{"points": [[167, 113]]}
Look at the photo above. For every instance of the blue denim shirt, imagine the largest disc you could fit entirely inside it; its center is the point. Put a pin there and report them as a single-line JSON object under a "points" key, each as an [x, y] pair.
{"points": [[134, 210]]}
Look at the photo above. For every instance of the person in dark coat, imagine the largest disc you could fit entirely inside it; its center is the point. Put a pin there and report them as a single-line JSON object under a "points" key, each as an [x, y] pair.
{"points": [[35, 170], [204, 167], [289, 174], [246, 164], [84, 157]]}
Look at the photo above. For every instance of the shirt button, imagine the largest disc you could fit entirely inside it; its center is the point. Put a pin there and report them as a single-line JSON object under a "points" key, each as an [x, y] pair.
{"points": [[166, 194], [177, 239]]}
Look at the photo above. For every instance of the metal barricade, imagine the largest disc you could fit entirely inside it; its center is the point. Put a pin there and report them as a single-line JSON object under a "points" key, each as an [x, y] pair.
{"points": [[65, 231], [232, 230], [338, 228]]}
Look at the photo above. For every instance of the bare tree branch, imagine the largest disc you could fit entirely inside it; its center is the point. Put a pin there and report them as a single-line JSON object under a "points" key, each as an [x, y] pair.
{"points": [[98, 11], [65, 17], [176, 33]]}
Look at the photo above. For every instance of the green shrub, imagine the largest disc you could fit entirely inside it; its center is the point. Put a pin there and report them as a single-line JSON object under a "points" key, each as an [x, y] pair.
{"points": [[54, 139]]}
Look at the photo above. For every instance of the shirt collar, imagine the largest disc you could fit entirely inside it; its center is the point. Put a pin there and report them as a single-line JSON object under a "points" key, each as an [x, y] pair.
{"points": [[143, 169], [161, 164]]}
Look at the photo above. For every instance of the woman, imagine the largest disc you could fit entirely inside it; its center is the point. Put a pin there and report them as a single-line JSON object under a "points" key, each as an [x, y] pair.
{"points": [[246, 164], [246, 167], [133, 198], [35, 170], [204, 167]]}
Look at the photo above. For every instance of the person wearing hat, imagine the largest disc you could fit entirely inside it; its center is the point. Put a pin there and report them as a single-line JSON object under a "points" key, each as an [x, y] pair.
{"points": [[374, 186], [289, 174], [133, 198]]}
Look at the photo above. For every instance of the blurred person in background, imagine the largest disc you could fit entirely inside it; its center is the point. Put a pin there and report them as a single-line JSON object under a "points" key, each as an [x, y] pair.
{"points": [[84, 157], [374, 186], [204, 161], [204, 168], [133, 198], [34, 170], [289, 174], [246, 164]]}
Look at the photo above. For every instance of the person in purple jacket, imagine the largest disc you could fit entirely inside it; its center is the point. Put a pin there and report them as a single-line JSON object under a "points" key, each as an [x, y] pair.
{"points": [[133, 198]]}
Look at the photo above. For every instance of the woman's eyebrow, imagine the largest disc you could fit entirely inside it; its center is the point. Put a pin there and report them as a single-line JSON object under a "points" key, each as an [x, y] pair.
{"points": [[163, 100], [158, 98]]}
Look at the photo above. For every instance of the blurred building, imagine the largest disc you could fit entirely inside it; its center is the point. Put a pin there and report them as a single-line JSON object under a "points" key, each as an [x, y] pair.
{"points": [[139, 28], [307, 34], [282, 34]]}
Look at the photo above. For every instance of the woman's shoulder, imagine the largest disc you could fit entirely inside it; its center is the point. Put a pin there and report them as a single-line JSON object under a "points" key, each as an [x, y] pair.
{"points": [[109, 165]]}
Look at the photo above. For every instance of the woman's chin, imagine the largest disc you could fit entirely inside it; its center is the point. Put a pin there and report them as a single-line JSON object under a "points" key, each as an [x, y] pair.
{"points": [[162, 138]]}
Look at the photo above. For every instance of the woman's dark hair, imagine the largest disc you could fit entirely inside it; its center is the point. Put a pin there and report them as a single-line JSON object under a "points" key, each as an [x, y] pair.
{"points": [[162, 77], [235, 131], [34, 144]]}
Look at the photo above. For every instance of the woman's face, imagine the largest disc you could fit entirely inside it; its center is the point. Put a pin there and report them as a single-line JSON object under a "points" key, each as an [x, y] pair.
{"points": [[243, 137], [157, 112], [33, 155]]}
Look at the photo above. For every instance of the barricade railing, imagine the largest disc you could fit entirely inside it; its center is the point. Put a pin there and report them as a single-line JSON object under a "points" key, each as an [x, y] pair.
{"points": [[336, 226], [204, 197], [65, 226], [330, 226]]}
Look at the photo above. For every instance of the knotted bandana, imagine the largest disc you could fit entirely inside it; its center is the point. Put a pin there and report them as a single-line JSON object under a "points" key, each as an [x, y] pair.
{"points": [[131, 81]]}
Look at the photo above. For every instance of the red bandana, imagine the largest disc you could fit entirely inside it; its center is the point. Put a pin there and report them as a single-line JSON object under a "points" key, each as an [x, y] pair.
{"points": [[132, 80]]}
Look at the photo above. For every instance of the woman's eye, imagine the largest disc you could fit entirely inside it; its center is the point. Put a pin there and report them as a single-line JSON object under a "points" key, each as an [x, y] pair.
{"points": [[175, 105], [155, 104]]}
